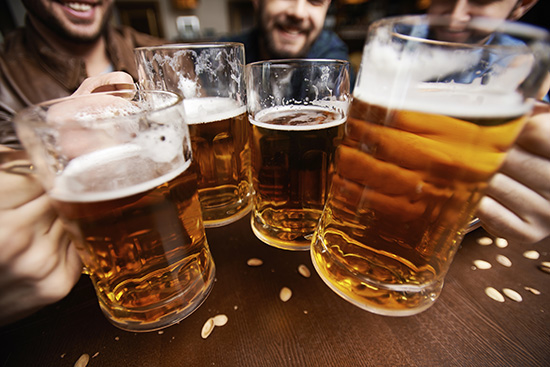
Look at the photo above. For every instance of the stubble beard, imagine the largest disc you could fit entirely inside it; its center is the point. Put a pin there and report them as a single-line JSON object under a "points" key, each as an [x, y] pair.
{"points": [[58, 28]]}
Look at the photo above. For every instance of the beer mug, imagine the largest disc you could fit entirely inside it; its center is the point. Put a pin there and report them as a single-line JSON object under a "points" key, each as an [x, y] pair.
{"points": [[435, 108], [211, 79], [297, 110], [116, 166]]}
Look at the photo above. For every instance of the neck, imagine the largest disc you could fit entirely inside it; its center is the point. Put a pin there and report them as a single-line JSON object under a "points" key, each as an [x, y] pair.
{"points": [[96, 58], [94, 54], [263, 53]]}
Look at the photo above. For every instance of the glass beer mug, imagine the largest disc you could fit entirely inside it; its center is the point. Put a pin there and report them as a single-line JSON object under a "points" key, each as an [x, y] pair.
{"points": [[116, 166], [297, 110], [434, 111], [211, 79]]}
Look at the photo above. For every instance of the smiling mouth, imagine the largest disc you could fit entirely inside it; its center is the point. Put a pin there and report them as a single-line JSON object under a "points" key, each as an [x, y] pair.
{"points": [[78, 6], [293, 31]]}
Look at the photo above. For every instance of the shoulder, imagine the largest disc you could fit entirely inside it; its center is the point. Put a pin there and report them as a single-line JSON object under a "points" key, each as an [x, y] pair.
{"points": [[250, 39], [246, 37], [328, 46], [14, 44], [327, 35], [134, 38], [21, 71], [12, 52]]}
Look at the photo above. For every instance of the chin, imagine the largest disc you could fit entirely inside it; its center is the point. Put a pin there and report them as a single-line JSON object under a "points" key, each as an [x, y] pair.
{"points": [[80, 37], [82, 33]]}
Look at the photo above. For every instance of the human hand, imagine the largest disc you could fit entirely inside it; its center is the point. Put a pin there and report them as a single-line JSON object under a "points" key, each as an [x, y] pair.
{"points": [[517, 202], [38, 264], [116, 80]]}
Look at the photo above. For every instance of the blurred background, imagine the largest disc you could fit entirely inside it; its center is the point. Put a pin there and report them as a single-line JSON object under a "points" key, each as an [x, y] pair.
{"points": [[207, 20]]}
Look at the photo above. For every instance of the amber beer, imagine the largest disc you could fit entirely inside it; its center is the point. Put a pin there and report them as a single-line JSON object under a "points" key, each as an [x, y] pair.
{"points": [[210, 77], [219, 132], [292, 148], [406, 183], [143, 244]]}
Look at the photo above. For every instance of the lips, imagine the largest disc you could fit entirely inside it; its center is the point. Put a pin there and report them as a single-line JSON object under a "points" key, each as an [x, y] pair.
{"points": [[79, 11], [291, 34], [291, 30]]}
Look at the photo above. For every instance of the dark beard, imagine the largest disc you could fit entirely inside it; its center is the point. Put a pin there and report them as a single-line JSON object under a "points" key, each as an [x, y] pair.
{"points": [[37, 10]]}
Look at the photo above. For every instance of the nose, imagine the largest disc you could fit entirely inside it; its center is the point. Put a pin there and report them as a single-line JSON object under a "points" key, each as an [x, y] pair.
{"points": [[460, 11], [298, 9]]}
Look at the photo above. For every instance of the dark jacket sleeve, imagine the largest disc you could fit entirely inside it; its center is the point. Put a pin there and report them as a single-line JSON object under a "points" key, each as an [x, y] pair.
{"points": [[10, 100]]}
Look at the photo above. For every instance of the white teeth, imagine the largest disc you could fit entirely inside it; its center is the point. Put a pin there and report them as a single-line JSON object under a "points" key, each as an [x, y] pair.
{"points": [[79, 6], [293, 32]]}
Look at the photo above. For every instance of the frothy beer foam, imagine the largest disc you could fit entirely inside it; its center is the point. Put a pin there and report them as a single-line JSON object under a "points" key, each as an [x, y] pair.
{"points": [[210, 109], [449, 99], [161, 144], [90, 110], [394, 78], [302, 118], [111, 173]]}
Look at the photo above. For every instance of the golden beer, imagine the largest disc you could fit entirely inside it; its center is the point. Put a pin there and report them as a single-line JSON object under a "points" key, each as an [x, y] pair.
{"points": [[219, 132], [406, 183], [210, 77], [292, 149], [142, 242]]}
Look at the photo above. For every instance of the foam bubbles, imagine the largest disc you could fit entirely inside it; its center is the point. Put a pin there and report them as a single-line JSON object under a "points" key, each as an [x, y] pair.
{"points": [[389, 63], [95, 107], [405, 79], [210, 109], [112, 173], [162, 144], [188, 87], [302, 118]]}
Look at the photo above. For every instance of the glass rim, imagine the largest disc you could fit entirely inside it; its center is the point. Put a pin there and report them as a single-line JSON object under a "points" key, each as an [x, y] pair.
{"points": [[43, 106], [304, 61], [189, 46], [511, 27]]}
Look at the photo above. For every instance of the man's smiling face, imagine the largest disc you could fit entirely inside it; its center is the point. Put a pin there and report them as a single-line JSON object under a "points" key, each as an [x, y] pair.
{"points": [[291, 26], [76, 20]]}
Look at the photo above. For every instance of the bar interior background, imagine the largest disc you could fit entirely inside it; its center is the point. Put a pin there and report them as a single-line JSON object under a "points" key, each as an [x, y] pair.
{"points": [[207, 20]]}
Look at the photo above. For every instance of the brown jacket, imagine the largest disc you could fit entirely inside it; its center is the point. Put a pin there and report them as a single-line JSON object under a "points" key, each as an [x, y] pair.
{"points": [[32, 72]]}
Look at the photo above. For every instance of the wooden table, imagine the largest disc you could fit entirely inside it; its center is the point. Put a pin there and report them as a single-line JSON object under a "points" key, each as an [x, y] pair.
{"points": [[315, 327]]}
